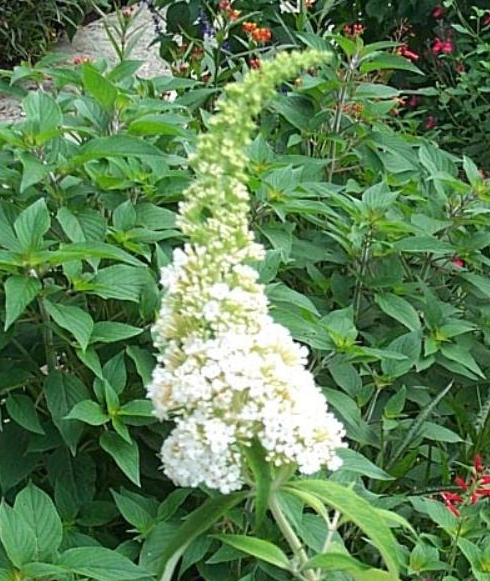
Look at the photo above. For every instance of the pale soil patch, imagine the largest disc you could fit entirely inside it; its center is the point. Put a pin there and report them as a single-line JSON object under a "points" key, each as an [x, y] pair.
{"points": [[92, 41]]}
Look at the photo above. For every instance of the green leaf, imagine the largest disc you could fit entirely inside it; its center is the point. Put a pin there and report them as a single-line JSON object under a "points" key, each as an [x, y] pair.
{"points": [[89, 412], [84, 251], [195, 524], [261, 470], [172, 503], [399, 309], [22, 410], [280, 293], [417, 425], [38, 510], [43, 114], [62, 393], [84, 225], [120, 282], [372, 575], [360, 512], [20, 291], [340, 326], [410, 346], [356, 462], [439, 433], [144, 362], [125, 454], [110, 332], [424, 244], [33, 171], [376, 91], [137, 412], [116, 146], [461, 355], [100, 564], [263, 550], [133, 512], [100, 88], [480, 282], [34, 570], [157, 124], [386, 61], [335, 562], [155, 217], [74, 319], [18, 538], [31, 225], [16, 462]]}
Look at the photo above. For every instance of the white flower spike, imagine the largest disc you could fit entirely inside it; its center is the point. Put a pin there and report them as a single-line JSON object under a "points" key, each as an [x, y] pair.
{"points": [[227, 373]]}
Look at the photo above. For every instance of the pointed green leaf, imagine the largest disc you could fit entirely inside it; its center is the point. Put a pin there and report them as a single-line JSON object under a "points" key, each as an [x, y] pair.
{"points": [[38, 510], [258, 548], [18, 538], [399, 309], [20, 291], [125, 454], [74, 319], [261, 470], [62, 393], [22, 410], [110, 332], [89, 412], [31, 225], [195, 524], [360, 512], [100, 88], [101, 564]]}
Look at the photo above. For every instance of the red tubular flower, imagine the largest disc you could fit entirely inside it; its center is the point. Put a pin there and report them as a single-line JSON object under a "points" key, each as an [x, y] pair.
{"points": [[441, 46], [458, 262], [447, 47], [451, 497], [453, 509], [430, 123], [438, 12], [357, 29], [484, 480], [409, 54], [478, 464], [486, 20], [413, 102], [461, 483]]}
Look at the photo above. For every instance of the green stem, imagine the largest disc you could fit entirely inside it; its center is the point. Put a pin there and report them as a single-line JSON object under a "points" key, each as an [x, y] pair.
{"points": [[454, 548], [48, 337], [332, 528], [291, 537]]}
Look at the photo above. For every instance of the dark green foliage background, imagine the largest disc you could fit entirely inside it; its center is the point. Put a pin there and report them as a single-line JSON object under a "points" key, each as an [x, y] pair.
{"points": [[362, 219]]}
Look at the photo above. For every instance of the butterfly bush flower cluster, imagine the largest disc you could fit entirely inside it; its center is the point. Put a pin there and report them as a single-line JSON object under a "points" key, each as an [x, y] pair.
{"points": [[227, 374]]}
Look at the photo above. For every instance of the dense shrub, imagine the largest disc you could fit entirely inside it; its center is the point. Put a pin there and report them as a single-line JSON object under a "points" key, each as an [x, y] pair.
{"points": [[376, 259]]}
